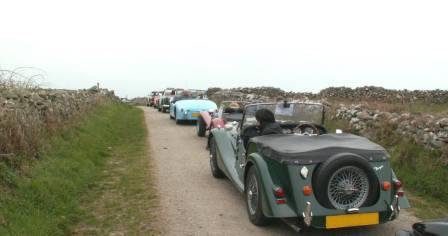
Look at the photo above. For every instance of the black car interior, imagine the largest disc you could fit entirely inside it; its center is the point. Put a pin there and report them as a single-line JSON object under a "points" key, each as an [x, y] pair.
{"points": [[251, 131]]}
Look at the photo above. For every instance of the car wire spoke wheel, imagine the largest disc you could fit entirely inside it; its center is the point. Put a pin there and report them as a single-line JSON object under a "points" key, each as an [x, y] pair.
{"points": [[252, 194], [348, 187], [216, 172], [212, 155]]}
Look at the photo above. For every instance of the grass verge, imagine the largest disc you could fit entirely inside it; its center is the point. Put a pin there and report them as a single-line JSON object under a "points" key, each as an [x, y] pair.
{"points": [[123, 200], [46, 199]]}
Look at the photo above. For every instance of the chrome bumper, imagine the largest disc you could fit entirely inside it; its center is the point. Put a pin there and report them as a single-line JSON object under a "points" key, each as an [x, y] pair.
{"points": [[395, 208]]}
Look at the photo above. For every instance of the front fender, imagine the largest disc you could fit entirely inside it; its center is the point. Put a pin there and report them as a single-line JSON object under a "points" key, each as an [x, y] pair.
{"points": [[217, 123], [207, 118], [269, 203], [179, 114], [226, 156]]}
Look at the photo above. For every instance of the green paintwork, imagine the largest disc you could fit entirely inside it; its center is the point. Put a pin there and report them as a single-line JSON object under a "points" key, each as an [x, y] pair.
{"points": [[235, 162]]}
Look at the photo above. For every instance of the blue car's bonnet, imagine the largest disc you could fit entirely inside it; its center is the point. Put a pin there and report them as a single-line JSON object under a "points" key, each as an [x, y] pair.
{"points": [[196, 105]]}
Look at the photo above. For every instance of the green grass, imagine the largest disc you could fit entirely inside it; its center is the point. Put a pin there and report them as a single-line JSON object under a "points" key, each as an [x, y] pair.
{"points": [[424, 108], [45, 200], [422, 171], [423, 175], [123, 200]]}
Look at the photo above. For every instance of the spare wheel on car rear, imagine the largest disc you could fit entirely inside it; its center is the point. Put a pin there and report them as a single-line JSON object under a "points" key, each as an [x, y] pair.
{"points": [[345, 181]]}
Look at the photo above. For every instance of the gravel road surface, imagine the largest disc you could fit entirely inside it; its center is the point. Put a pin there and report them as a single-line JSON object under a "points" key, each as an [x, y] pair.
{"points": [[195, 203]]}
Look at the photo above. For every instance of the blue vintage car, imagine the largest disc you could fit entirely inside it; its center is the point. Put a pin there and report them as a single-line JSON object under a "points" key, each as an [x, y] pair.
{"points": [[190, 109]]}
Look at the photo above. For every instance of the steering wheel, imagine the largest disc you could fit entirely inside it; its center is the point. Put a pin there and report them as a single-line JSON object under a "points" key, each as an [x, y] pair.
{"points": [[304, 129]]}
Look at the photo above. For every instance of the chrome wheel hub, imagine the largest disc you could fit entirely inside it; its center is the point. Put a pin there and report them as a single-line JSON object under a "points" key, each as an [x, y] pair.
{"points": [[252, 194], [348, 188]]}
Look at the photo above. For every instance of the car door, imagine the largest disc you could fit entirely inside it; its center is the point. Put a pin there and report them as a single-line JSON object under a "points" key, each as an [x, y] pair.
{"points": [[241, 157], [240, 152]]}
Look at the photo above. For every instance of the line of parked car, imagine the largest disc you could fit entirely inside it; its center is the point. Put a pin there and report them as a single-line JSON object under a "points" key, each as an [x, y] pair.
{"points": [[183, 105], [307, 176]]}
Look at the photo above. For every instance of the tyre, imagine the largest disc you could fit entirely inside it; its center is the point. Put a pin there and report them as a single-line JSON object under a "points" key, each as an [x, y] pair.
{"points": [[216, 172], [201, 128], [172, 117], [345, 181], [254, 197]]}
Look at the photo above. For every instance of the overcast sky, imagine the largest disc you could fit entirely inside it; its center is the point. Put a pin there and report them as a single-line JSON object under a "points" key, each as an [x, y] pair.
{"points": [[134, 47]]}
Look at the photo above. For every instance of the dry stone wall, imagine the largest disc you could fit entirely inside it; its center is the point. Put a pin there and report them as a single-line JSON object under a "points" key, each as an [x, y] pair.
{"points": [[370, 93], [426, 129], [27, 114], [385, 95]]}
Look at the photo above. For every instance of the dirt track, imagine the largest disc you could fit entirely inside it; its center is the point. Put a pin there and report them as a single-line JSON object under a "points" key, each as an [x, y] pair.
{"points": [[195, 203]]}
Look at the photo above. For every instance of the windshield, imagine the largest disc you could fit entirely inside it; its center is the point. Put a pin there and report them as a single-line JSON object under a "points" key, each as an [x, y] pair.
{"points": [[295, 113]]}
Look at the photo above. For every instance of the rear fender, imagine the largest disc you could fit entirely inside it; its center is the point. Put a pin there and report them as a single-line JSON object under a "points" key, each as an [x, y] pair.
{"points": [[402, 201], [269, 204]]}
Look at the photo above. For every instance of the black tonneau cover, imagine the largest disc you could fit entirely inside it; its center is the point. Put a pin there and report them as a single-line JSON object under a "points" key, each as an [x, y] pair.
{"points": [[304, 149]]}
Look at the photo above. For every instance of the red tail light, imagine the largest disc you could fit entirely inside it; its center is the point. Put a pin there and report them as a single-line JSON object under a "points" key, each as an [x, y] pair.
{"points": [[397, 184], [279, 192], [281, 201]]}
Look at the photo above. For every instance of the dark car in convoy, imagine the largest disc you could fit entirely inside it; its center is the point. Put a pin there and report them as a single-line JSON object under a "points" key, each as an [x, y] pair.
{"points": [[152, 98], [314, 178], [164, 101], [427, 228]]}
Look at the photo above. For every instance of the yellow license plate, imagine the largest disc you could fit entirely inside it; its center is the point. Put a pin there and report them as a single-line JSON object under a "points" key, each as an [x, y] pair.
{"points": [[341, 221], [194, 114]]}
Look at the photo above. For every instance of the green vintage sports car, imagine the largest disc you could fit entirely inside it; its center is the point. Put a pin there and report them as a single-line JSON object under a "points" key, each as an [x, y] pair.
{"points": [[306, 175]]}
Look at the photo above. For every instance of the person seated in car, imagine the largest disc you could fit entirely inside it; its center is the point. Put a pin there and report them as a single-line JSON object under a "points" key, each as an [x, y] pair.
{"points": [[266, 122]]}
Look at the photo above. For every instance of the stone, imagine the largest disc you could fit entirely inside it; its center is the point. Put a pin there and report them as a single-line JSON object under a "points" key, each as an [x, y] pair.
{"points": [[363, 115], [354, 120], [353, 112], [405, 115], [10, 95], [394, 121], [442, 123]]}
